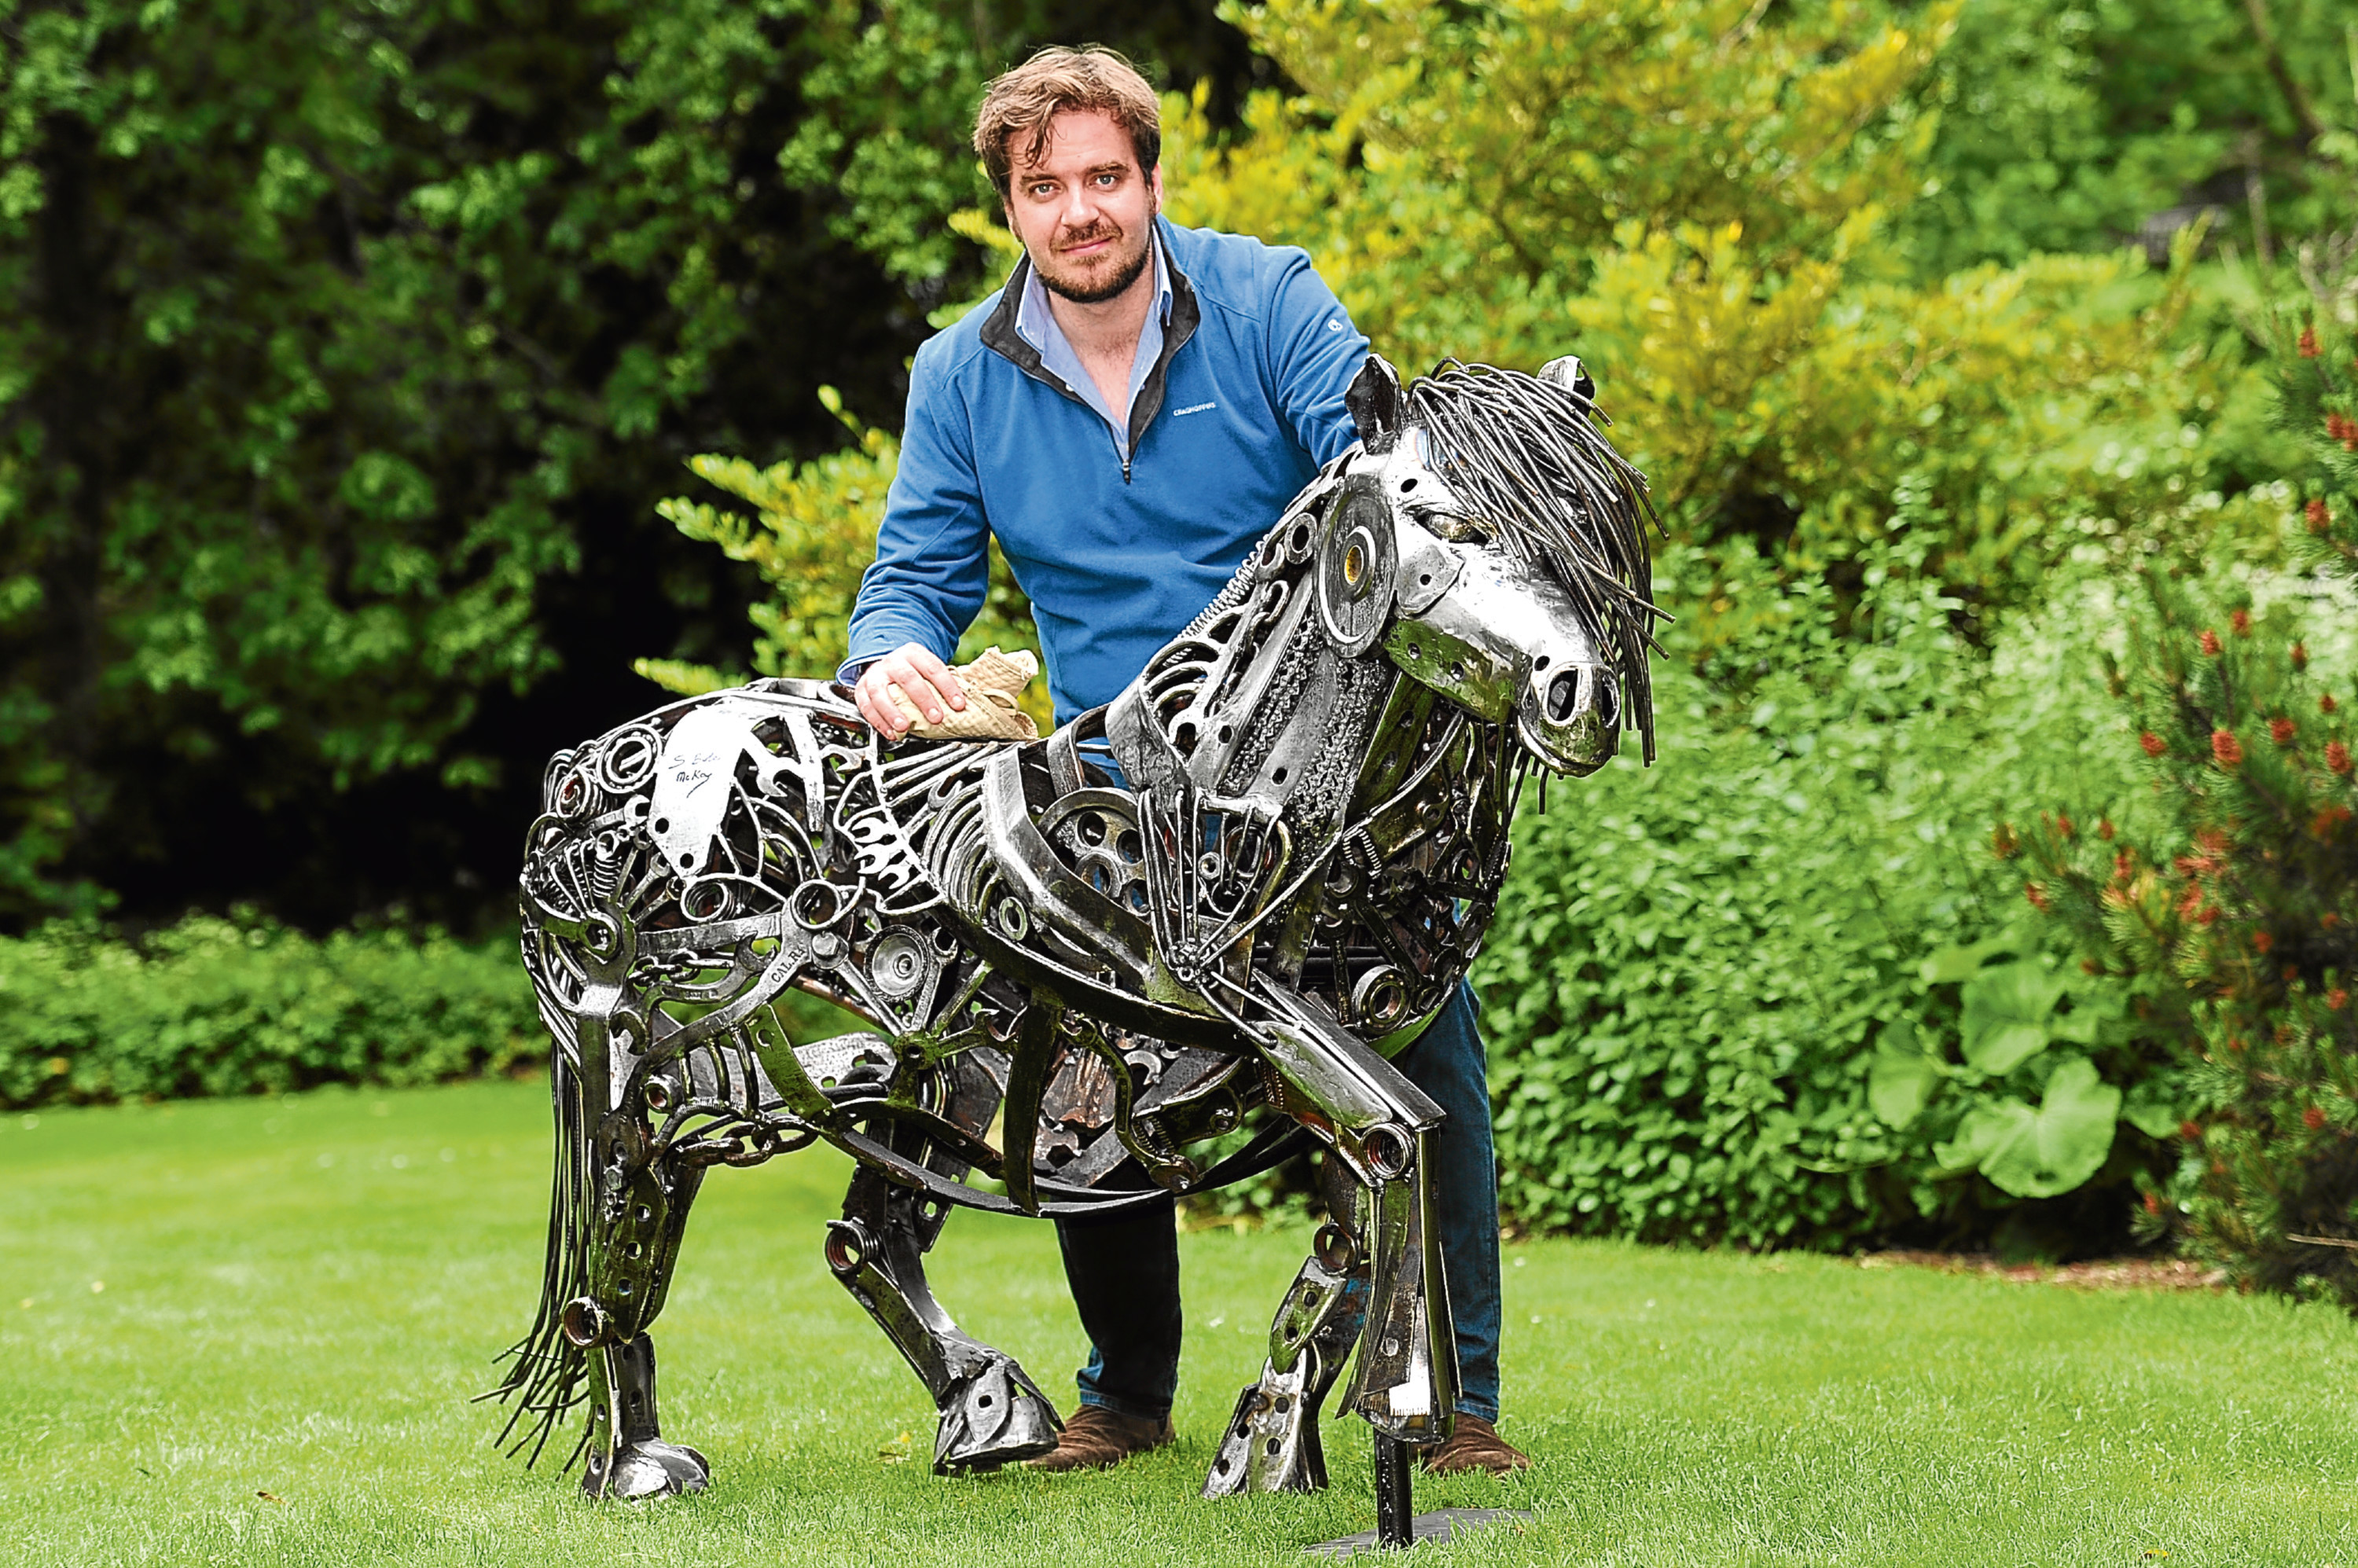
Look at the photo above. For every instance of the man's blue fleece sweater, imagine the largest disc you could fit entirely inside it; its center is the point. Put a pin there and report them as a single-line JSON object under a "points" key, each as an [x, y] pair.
{"points": [[1244, 404]]}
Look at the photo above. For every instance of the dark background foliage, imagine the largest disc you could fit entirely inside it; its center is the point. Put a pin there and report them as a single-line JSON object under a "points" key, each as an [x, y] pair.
{"points": [[344, 352]]}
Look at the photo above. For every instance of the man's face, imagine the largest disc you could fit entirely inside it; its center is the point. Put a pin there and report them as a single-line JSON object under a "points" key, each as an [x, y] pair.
{"points": [[1083, 209]]}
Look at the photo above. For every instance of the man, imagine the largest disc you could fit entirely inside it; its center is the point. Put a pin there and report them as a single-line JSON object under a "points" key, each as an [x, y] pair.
{"points": [[1127, 416]]}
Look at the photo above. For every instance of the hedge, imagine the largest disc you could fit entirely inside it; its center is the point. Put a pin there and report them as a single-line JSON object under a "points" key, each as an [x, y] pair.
{"points": [[222, 1007], [1744, 995]]}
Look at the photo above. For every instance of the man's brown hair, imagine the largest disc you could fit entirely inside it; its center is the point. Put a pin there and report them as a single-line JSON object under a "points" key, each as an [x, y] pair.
{"points": [[1021, 101]]}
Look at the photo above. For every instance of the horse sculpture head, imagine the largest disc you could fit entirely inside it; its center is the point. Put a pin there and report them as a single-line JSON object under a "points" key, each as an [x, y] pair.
{"points": [[1495, 543]]}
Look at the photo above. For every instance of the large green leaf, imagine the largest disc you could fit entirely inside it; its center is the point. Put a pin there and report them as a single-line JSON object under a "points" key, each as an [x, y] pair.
{"points": [[1900, 1075], [2040, 1153], [2008, 1010], [2153, 1109], [1976, 1135], [1950, 964]]}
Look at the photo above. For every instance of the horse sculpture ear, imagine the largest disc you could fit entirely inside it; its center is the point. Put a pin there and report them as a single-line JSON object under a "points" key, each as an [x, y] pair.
{"points": [[1374, 400], [1569, 373]]}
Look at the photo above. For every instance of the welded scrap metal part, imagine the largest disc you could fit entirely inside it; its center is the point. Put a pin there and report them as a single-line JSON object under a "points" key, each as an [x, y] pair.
{"points": [[637, 1464], [1086, 987], [1272, 1443], [1395, 1496], [1405, 1382]]}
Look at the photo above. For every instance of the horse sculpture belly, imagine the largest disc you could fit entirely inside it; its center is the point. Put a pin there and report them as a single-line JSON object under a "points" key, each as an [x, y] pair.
{"points": [[1288, 881]]}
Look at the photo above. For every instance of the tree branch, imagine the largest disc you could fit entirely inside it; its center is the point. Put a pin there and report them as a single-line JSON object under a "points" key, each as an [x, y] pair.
{"points": [[2302, 109]]}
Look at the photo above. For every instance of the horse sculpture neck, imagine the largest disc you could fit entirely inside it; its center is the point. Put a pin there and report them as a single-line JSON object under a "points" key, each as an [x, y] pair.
{"points": [[1315, 813]]}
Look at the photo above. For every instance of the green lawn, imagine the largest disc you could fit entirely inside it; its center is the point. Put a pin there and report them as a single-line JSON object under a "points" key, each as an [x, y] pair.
{"points": [[299, 1294]]}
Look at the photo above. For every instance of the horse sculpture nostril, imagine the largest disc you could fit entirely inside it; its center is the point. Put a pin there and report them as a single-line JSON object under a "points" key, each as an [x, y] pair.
{"points": [[1562, 696]]}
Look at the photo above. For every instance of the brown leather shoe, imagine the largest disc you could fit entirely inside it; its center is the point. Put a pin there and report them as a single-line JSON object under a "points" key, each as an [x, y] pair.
{"points": [[1096, 1437], [1473, 1445]]}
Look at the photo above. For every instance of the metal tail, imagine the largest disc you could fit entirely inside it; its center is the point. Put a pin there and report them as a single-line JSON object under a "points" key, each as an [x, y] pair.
{"points": [[548, 1374]]}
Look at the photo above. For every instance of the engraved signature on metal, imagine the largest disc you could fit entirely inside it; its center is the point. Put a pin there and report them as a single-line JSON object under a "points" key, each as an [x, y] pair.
{"points": [[1151, 981]]}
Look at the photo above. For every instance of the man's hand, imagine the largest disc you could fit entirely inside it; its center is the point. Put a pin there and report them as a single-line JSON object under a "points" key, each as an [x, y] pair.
{"points": [[924, 679]]}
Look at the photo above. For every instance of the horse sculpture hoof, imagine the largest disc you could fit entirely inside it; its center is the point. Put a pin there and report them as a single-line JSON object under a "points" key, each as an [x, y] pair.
{"points": [[994, 1417], [641, 1472], [1271, 1443]]}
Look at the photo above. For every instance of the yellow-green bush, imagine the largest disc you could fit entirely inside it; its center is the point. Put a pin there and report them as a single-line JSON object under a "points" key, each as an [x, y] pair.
{"points": [[1697, 201], [813, 532]]}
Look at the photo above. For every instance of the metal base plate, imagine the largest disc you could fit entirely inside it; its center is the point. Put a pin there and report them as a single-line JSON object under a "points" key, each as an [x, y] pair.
{"points": [[1439, 1525]]}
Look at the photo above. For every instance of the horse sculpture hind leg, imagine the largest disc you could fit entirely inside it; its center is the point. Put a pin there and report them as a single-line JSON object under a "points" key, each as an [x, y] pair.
{"points": [[688, 868], [991, 1413], [617, 1211], [625, 1181]]}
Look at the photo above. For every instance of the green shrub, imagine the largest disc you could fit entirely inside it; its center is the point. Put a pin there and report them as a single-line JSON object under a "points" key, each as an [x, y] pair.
{"points": [[217, 1006], [1778, 989], [2234, 923]]}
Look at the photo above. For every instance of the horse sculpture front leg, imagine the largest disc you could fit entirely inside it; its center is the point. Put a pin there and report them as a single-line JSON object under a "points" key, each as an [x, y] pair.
{"points": [[1375, 1279], [1272, 1443]]}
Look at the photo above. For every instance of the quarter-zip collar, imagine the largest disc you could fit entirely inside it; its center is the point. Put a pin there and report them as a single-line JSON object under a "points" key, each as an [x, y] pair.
{"points": [[1035, 320], [999, 335]]}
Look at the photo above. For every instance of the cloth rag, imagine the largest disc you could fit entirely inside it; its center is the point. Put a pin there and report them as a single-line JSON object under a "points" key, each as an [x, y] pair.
{"points": [[991, 684]]}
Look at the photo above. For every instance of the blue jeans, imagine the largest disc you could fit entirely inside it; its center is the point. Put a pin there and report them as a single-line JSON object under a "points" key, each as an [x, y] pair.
{"points": [[1124, 1272]]}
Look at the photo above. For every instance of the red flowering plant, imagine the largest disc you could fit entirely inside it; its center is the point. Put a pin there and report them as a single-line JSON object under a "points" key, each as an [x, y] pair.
{"points": [[2317, 400], [2232, 914]]}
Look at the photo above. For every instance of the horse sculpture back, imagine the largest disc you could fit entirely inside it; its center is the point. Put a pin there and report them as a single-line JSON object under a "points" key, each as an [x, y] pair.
{"points": [[1155, 979]]}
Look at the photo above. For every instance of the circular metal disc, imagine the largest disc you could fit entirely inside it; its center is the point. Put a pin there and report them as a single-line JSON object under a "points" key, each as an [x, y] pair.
{"points": [[1357, 568]]}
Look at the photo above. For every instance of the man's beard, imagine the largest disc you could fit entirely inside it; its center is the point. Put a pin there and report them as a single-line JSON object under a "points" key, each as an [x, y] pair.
{"points": [[1121, 277]]}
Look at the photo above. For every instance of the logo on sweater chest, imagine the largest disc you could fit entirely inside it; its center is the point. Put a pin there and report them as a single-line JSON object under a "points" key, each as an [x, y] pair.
{"points": [[1192, 408]]}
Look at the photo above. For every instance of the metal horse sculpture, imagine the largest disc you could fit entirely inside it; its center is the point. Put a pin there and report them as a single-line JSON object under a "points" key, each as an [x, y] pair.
{"points": [[1213, 956]]}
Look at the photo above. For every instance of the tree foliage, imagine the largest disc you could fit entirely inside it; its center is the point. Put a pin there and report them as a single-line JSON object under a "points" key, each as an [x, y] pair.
{"points": [[2081, 126], [1734, 278], [812, 533], [344, 352]]}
